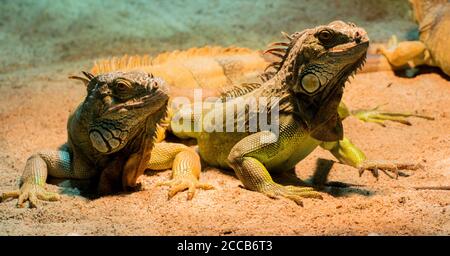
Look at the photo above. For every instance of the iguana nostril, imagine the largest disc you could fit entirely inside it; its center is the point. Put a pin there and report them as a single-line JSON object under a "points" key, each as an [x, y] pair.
{"points": [[153, 85], [357, 37]]}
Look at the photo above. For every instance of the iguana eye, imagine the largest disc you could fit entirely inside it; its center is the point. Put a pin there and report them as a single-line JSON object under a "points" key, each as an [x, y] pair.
{"points": [[325, 36], [122, 85]]}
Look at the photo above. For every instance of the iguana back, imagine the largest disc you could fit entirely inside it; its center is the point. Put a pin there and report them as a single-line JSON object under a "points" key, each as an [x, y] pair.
{"points": [[209, 68]]}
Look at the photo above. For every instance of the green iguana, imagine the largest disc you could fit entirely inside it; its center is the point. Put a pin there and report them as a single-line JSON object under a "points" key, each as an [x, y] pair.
{"points": [[433, 17], [309, 80], [110, 136]]}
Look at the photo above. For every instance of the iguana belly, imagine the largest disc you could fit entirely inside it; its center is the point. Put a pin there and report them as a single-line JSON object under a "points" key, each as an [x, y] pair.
{"points": [[439, 47], [215, 147], [296, 151]]}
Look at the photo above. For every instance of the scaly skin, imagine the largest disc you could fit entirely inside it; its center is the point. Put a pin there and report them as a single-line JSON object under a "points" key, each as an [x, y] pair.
{"points": [[185, 165], [110, 136], [309, 82], [433, 17]]}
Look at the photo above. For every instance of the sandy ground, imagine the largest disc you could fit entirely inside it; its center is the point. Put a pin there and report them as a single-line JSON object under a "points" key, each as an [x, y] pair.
{"points": [[36, 98]]}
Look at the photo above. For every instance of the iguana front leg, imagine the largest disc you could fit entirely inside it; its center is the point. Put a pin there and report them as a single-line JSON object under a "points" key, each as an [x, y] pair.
{"points": [[349, 154], [57, 164], [247, 158], [186, 166], [378, 116]]}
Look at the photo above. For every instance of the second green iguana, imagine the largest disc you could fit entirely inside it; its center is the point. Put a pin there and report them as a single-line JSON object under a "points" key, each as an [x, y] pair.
{"points": [[308, 85]]}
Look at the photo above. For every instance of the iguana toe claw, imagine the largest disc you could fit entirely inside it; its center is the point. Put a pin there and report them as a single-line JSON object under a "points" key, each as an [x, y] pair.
{"points": [[33, 200], [32, 193], [180, 184], [375, 166], [7, 195], [293, 193]]}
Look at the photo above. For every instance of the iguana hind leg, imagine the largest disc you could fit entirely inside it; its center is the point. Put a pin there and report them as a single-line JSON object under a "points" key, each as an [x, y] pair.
{"points": [[349, 154], [186, 167], [247, 157]]}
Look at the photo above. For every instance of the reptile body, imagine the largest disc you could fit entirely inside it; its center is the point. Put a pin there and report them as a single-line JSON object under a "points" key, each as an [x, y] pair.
{"points": [[307, 85]]}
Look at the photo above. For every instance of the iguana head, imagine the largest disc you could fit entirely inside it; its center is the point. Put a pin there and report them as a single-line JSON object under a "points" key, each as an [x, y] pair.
{"points": [[314, 66], [121, 106], [316, 58]]}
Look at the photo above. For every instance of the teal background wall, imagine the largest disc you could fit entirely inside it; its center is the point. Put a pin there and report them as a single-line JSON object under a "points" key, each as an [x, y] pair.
{"points": [[39, 32]]}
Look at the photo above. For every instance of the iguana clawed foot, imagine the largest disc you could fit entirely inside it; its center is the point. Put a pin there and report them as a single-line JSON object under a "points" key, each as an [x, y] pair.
{"points": [[294, 193], [179, 184], [385, 166], [31, 193], [379, 117]]}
